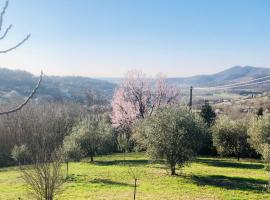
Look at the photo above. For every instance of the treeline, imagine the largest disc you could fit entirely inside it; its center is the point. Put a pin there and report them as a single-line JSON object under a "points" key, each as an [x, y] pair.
{"points": [[36, 127]]}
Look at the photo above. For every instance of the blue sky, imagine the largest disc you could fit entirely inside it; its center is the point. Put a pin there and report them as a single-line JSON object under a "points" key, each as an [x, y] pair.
{"points": [[106, 38]]}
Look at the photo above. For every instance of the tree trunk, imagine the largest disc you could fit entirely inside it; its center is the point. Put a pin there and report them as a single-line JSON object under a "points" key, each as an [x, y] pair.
{"points": [[67, 170], [173, 170], [238, 154], [92, 158]]}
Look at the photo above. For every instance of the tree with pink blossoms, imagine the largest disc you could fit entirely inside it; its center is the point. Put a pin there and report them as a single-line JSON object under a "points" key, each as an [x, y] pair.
{"points": [[137, 98]]}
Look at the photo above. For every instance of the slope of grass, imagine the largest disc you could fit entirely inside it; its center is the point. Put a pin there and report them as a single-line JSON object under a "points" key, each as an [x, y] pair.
{"points": [[110, 178]]}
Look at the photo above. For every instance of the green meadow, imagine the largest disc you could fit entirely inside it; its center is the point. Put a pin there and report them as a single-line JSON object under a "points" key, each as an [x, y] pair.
{"points": [[111, 177]]}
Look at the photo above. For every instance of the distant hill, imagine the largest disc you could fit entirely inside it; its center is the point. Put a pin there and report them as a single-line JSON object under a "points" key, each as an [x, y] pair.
{"points": [[71, 88], [17, 84], [231, 75]]}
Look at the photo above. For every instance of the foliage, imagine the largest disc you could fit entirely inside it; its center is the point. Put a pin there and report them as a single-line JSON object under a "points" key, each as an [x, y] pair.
{"points": [[94, 135], [230, 137], [259, 133], [137, 98], [208, 114], [71, 149], [20, 153], [173, 133]]}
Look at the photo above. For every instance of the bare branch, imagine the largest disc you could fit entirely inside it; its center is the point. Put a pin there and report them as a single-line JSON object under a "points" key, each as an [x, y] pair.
{"points": [[17, 45], [8, 29], [19, 107], [6, 32], [2, 15]]}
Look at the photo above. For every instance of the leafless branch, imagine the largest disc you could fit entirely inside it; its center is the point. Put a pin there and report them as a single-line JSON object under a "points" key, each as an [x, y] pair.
{"points": [[17, 45], [19, 107], [7, 30], [2, 14]]}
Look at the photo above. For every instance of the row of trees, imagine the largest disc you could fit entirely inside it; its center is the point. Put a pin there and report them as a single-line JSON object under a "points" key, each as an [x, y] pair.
{"points": [[244, 137]]}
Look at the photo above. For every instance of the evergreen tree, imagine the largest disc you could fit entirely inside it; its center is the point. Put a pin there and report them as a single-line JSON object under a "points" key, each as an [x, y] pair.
{"points": [[208, 114]]}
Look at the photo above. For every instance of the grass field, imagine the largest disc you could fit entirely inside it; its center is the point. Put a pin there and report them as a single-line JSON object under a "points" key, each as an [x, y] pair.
{"points": [[109, 178]]}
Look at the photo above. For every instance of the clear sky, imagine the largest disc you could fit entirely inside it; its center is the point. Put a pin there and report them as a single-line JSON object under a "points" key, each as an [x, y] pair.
{"points": [[105, 38]]}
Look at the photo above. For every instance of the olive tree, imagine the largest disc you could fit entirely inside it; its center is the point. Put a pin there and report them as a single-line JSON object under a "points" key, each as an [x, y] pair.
{"points": [[230, 137], [173, 133], [91, 133], [20, 153], [259, 132]]}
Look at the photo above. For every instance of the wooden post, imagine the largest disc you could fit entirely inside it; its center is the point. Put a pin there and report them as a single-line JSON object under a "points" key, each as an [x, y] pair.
{"points": [[135, 187], [190, 98]]}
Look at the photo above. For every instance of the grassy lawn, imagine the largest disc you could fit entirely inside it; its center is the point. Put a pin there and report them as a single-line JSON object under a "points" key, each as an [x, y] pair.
{"points": [[109, 178]]}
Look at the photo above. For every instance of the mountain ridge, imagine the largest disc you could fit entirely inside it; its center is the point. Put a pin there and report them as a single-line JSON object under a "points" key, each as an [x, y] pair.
{"points": [[16, 83], [59, 88], [230, 75]]}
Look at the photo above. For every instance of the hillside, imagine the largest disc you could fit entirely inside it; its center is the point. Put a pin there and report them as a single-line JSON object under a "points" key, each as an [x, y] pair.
{"points": [[231, 75], [18, 84]]}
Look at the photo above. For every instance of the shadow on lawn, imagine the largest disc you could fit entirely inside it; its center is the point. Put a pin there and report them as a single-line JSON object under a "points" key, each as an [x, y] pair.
{"points": [[122, 162], [109, 182], [223, 163], [233, 183]]}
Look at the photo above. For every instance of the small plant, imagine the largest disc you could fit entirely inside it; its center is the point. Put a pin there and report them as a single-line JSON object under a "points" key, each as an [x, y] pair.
{"points": [[134, 173]]}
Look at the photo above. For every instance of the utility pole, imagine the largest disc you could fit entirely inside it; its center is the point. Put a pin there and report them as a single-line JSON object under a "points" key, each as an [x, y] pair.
{"points": [[190, 98]]}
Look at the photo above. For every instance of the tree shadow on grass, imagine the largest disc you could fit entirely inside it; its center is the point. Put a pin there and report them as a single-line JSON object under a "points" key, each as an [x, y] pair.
{"points": [[232, 164], [122, 162], [109, 182], [232, 183], [4, 170]]}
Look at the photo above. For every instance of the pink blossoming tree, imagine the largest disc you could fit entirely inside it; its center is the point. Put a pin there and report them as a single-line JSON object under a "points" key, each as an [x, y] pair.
{"points": [[138, 97]]}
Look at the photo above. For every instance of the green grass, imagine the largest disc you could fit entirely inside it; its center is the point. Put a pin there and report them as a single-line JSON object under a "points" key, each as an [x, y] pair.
{"points": [[110, 178]]}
